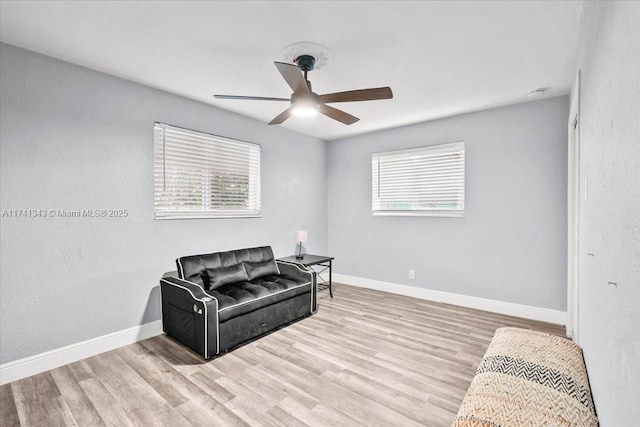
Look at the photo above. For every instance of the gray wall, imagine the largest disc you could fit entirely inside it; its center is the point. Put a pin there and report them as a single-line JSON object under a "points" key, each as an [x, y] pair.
{"points": [[511, 244], [72, 138], [609, 316]]}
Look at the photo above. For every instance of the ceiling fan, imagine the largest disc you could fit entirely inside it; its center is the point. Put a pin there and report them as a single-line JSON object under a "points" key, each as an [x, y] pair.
{"points": [[305, 102]]}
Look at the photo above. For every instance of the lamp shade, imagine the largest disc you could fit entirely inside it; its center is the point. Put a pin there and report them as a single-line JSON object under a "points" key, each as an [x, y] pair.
{"points": [[301, 236]]}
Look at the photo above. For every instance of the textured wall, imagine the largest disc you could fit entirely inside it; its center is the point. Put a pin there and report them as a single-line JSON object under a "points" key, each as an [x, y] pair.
{"points": [[609, 316], [72, 138], [511, 244]]}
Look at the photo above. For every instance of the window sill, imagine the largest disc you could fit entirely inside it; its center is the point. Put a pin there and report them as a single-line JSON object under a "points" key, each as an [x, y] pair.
{"points": [[171, 217], [443, 214]]}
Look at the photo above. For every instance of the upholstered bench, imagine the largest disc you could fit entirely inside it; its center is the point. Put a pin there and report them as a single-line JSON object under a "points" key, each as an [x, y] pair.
{"points": [[528, 378]]}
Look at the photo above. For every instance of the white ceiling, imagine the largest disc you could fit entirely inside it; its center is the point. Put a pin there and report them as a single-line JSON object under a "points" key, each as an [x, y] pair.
{"points": [[440, 58]]}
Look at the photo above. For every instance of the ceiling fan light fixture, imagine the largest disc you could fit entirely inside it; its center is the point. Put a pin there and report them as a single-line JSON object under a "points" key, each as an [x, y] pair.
{"points": [[305, 111], [305, 108]]}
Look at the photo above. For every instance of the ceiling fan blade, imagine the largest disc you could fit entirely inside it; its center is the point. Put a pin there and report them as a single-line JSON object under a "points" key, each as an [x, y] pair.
{"points": [[294, 78], [338, 115], [250, 98], [358, 95], [282, 116]]}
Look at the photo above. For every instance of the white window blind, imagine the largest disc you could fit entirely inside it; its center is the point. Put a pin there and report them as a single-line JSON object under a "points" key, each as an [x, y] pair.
{"points": [[198, 175], [420, 181]]}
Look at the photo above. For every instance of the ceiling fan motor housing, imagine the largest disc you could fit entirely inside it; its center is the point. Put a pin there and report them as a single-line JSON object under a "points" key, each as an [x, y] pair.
{"points": [[305, 62]]}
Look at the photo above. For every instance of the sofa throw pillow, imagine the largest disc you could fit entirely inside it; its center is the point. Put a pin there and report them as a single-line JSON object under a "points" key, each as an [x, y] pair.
{"points": [[225, 275], [262, 268]]}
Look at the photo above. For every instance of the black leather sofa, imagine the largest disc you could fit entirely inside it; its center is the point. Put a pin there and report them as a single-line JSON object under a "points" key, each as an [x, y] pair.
{"points": [[223, 299]]}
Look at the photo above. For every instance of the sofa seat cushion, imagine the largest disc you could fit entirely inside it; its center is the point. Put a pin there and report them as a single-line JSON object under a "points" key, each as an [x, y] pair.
{"points": [[236, 299]]}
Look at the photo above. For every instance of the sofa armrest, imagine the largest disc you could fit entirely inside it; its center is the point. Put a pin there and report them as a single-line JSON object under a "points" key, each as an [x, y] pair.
{"points": [[303, 274], [190, 315], [296, 270], [195, 290]]}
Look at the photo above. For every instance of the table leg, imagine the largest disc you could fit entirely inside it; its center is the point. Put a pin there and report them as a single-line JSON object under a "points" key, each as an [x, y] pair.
{"points": [[330, 287]]}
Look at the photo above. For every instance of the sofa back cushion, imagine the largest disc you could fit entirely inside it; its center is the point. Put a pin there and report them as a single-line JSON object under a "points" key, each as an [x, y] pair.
{"points": [[194, 267]]}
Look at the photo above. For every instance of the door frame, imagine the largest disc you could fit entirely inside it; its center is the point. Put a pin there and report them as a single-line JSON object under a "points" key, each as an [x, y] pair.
{"points": [[573, 213]]}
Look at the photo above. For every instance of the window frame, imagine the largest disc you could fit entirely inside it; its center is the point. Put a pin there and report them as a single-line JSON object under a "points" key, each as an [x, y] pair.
{"points": [[376, 209], [222, 147]]}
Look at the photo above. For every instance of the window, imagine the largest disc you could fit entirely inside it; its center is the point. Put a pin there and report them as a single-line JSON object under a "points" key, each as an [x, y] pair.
{"points": [[197, 175], [425, 181]]}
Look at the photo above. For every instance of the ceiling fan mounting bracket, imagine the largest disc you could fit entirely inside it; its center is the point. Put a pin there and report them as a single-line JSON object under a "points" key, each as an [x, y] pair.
{"points": [[305, 62], [320, 54]]}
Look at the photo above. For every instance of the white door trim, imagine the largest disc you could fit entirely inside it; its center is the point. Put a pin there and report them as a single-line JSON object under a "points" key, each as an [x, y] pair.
{"points": [[573, 212]]}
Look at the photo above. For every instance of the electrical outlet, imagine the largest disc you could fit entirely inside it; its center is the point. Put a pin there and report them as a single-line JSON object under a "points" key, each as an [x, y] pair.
{"points": [[412, 274]]}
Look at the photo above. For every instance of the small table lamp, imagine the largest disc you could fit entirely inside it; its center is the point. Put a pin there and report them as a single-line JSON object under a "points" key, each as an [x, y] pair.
{"points": [[301, 237]]}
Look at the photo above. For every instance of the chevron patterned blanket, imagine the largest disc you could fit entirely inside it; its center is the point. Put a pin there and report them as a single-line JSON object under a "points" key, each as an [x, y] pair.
{"points": [[528, 378]]}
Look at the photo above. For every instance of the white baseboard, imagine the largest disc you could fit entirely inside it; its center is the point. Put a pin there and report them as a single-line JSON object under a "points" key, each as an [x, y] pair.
{"points": [[494, 306], [22, 368]]}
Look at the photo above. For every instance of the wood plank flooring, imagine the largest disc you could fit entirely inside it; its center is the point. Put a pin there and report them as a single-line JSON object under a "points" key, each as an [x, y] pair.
{"points": [[367, 358]]}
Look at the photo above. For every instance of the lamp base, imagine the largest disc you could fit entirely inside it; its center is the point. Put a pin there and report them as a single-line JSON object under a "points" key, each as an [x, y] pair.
{"points": [[299, 256]]}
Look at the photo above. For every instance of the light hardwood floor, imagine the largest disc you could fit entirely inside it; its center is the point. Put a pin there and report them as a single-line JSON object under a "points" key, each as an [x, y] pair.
{"points": [[366, 358]]}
